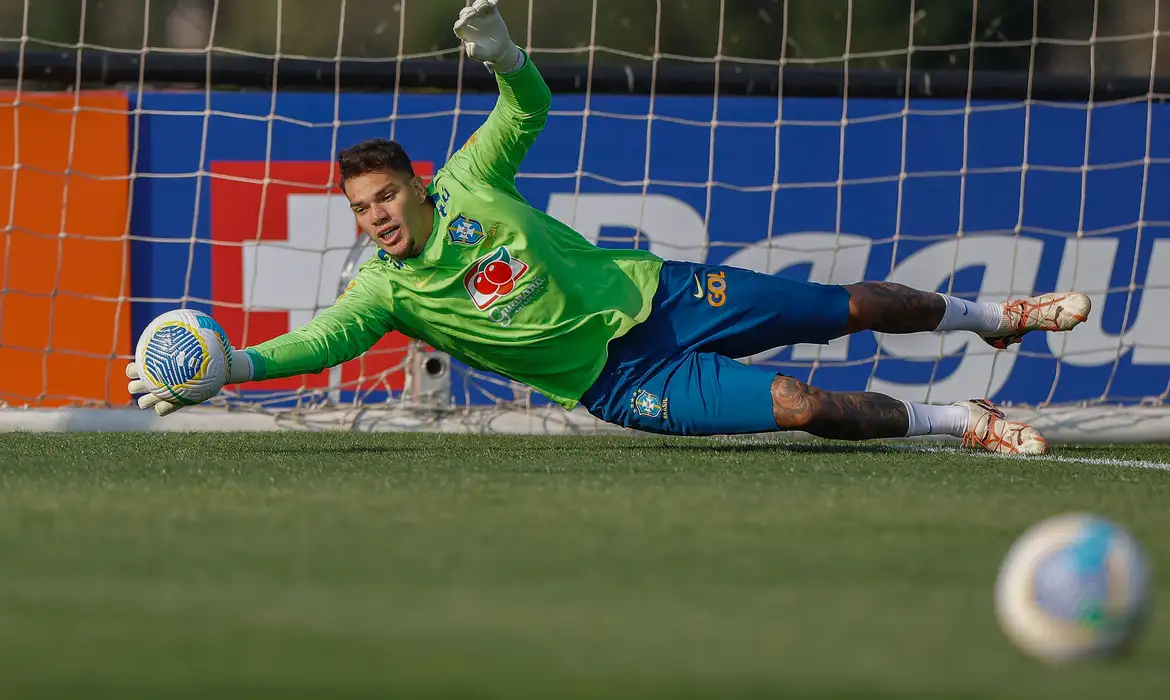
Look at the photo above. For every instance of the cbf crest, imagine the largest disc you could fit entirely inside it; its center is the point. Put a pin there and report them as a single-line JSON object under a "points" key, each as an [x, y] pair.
{"points": [[647, 404], [465, 231]]}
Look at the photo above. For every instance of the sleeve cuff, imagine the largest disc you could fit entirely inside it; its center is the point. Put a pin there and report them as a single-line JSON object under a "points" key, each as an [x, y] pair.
{"points": [[247, 365], [510, 65]]}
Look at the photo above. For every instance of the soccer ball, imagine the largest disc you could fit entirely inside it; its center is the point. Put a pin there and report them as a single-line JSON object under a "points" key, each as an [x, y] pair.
{"points": [[1073, 587], [183, 356]]}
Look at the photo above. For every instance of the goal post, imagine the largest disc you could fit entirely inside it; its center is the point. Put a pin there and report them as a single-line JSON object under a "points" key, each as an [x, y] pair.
{"points": [[136, 180]]}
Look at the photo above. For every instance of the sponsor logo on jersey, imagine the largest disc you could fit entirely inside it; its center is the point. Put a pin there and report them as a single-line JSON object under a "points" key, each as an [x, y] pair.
{"points": [[647, 404], [464, 230], [492, 277], [503, 314]]}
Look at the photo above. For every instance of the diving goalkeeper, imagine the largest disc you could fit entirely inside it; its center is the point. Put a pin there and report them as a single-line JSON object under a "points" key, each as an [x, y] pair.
{"points": [[466, 265]]}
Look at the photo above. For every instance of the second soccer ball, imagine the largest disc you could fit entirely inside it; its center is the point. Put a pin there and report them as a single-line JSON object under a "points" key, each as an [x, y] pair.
{"points": [[1073, 587]]}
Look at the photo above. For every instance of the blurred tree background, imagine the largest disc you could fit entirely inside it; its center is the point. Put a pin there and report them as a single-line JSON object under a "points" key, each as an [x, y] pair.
{"points": [[1052, 36]]}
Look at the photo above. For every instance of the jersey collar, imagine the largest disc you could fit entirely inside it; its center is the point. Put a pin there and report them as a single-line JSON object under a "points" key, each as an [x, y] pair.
{"points": [[433, 250]]}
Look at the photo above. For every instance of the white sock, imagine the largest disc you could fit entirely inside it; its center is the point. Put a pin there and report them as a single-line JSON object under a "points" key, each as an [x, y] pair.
{"points": [[926, 419], [963, 315]]}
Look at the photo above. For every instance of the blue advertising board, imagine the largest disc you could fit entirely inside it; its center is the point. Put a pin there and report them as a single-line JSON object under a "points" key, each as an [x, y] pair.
{"points": [[987, 200]]}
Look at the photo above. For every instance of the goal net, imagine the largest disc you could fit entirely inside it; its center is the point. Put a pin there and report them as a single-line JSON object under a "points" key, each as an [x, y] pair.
{"points": [[157, 154]]}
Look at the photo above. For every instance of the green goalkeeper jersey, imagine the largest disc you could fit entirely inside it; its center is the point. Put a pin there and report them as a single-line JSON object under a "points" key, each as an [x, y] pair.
{"points": [[499, 285]]}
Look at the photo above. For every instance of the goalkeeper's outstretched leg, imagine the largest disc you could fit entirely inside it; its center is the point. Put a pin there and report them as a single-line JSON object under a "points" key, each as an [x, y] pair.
{"points": [[887, 307], [865, 415]]}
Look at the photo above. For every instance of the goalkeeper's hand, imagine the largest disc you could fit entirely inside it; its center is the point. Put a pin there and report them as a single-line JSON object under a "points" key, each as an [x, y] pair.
{"points": [[485, 37], [241, 372]]}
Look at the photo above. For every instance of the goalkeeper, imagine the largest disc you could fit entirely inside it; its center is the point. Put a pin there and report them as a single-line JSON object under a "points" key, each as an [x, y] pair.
{"points": [[467, 266]]}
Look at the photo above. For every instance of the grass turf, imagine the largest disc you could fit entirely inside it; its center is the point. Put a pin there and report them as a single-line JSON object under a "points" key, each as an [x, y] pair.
{"points": [[342, 565]]}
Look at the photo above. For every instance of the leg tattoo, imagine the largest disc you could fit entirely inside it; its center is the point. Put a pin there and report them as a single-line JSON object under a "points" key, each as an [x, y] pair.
{"points": [[842, 415], [887, 307]]}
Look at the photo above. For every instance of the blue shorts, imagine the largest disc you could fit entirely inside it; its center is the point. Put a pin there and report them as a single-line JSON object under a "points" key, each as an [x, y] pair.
{"points": [[675, 373]]}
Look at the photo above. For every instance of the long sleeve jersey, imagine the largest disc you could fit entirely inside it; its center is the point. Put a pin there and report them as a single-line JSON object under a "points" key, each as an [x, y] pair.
{"points": [[499, 285]]}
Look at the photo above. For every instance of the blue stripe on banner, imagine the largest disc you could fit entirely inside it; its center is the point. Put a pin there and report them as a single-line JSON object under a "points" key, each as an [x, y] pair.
{"points": [[880, 195]]}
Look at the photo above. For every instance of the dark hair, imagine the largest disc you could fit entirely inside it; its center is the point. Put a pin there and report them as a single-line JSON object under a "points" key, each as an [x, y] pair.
{"points": [[371, 155]]}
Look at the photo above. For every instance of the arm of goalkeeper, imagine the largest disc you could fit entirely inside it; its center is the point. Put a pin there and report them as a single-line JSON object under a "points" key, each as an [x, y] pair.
{"points": [[345, 330], [494, 152]]}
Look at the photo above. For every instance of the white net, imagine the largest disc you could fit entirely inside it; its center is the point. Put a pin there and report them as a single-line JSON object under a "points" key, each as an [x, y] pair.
{"points": [[945, 145]]}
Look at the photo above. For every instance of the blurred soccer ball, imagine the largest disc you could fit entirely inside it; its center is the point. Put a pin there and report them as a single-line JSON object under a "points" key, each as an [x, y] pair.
{"points": [[1073, 587], [183, 356]]}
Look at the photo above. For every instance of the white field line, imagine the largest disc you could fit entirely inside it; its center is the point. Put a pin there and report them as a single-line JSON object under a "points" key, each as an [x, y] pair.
{"points": [[980, 454], [1094, 461]]}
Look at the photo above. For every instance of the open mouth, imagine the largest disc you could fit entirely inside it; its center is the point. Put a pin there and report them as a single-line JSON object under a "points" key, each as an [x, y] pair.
{"points": [[388, 235]]}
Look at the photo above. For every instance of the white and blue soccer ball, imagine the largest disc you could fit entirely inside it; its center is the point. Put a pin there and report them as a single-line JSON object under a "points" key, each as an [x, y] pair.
{"points": [[183, 356], [1074, 587]]}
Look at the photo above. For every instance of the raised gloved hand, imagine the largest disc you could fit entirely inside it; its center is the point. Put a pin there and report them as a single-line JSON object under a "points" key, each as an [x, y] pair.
{"points": [[485, 37]]}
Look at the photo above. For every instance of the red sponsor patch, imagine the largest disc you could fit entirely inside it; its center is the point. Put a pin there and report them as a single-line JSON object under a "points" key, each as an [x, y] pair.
{"points": [[493, 276]]}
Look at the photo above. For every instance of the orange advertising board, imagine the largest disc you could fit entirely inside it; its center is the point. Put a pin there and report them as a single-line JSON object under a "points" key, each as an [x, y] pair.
{"points": [[64, 260]]}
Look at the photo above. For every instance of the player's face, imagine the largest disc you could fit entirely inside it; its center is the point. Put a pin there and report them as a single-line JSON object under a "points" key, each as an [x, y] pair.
{"points": [[392, 208]]}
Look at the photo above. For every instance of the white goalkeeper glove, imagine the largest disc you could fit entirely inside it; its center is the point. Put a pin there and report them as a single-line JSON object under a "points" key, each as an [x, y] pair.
{"points": [[241, 372], [485, 37]]}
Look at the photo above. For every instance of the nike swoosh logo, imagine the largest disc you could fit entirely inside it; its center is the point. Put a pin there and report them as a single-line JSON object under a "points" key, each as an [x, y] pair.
{"points": [[698, 288]]}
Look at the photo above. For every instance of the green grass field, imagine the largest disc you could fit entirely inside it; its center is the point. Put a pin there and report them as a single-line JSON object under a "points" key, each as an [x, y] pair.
{"points": [[417, 566]]}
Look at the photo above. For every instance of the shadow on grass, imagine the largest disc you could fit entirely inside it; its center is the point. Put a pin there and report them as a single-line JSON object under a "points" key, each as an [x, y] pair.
{"points": [[465, 447]]}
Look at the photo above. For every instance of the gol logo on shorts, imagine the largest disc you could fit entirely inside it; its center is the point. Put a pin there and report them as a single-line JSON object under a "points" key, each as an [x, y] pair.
{"points": [[716, 289]]}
